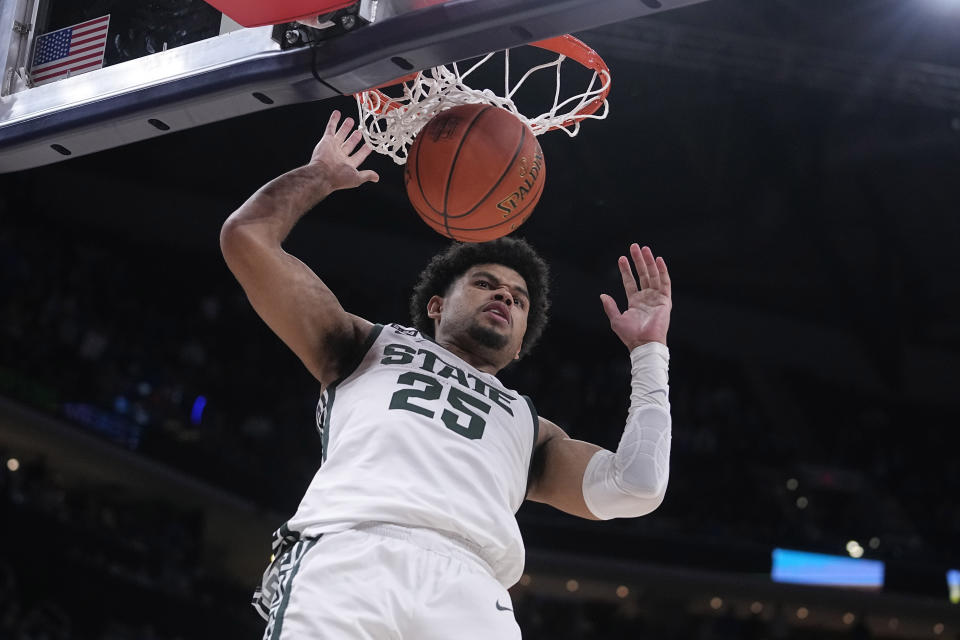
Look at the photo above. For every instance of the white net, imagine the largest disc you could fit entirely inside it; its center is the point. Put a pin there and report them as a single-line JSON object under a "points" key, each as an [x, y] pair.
{"points": [[390, 124]]}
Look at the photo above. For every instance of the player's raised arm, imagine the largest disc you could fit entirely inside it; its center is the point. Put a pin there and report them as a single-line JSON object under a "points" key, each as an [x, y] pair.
{"points": [[585, 480], [290, 297]]}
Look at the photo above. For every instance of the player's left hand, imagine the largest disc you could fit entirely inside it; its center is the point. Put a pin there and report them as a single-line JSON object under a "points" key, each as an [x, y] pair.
{"points": [[341, 151], [647, 316]]}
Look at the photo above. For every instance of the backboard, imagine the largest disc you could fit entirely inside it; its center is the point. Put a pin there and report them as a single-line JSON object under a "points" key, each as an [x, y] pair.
{"points": [[230, 70]]}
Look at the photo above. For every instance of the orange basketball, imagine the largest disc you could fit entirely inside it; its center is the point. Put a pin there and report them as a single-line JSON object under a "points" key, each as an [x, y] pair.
{"points": [[475, 172]]}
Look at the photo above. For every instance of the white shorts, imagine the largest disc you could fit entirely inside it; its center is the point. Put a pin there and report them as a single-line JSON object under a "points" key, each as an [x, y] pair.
{"points": [[386, 582]]}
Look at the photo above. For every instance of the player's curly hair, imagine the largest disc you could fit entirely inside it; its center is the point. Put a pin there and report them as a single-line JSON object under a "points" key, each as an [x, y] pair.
{"points": [[456, 260]]}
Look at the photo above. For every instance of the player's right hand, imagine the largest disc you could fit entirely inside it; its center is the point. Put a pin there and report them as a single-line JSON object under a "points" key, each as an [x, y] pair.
{"points": [[339, 152], [647, 316]]}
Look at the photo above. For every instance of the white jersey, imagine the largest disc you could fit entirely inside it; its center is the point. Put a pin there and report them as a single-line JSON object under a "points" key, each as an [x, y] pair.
{"points": [[415, 436]]}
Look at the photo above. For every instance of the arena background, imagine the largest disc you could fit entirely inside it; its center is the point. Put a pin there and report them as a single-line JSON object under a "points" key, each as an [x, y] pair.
{"points": [[153, 432]]}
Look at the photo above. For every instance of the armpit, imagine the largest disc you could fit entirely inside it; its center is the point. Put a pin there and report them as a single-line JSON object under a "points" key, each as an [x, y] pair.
{"points": [[344, 348]]}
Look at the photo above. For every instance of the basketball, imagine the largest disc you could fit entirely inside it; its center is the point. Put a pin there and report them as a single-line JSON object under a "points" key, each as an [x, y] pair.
{"points": [[475, 172]]}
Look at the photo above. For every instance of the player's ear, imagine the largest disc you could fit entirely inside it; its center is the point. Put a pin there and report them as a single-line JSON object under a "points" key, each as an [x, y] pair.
{"points": [[434, 307]]}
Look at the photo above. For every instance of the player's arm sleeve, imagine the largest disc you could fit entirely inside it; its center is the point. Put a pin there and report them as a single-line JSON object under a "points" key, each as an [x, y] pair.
{"points": [[633, 481]]}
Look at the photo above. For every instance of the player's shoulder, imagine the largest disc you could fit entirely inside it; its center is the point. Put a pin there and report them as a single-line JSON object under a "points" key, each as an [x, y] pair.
{"points": [[400, 330], [548, 430], [357, 337], [409, 334]]}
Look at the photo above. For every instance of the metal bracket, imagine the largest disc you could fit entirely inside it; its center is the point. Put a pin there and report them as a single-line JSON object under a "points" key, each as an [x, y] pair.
{"points": [[16, 79], [25, 77], [23, 28], [321, 27], [368, 10]]}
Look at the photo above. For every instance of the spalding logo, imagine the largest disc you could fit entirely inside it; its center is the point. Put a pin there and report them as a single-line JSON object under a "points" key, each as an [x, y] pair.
{"points": [[444, 127], [509, 204]]}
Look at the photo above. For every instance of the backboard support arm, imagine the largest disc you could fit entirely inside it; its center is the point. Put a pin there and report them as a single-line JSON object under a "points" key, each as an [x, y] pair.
{"points": [[247, 70]]}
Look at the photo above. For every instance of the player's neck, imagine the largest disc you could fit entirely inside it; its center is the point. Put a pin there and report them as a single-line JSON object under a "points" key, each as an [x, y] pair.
{"points": [[480, 361]]}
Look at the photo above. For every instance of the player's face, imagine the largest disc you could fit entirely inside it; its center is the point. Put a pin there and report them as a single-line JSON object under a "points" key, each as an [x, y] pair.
{"points": [[487, 306]]}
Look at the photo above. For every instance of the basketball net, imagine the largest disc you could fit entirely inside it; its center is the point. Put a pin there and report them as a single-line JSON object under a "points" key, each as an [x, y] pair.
{"points": [[390, 124]]}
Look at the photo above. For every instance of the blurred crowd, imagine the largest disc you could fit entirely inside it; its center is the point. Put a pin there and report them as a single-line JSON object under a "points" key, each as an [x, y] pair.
{"points": [[144, 351], [93, 562], [543, 618], [159, 352], [98, 562]]}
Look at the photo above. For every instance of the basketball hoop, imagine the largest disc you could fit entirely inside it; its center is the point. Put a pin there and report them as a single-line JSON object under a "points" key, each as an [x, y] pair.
{"points": [[390, 124]]}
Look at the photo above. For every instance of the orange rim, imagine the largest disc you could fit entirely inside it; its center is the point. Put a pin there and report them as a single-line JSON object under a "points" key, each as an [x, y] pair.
{"points": [[565, 45]]}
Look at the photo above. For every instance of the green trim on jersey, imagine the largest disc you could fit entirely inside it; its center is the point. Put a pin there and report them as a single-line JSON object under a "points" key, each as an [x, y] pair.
{"points": [[331, 391], [536, 423], [536, 434], [278, 619], [284, 533]]}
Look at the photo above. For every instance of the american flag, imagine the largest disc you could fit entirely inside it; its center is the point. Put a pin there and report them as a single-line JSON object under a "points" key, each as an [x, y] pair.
{"points": [[71, 50]]}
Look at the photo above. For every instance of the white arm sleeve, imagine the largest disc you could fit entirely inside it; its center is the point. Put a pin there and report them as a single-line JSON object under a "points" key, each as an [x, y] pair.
{"points": [[633, 481]]}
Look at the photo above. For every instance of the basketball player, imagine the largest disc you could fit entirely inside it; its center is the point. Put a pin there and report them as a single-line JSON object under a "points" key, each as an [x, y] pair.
{"points": [[407, 530]]}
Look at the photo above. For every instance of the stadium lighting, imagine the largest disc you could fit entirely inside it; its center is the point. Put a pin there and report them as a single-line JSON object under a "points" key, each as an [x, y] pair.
{"points": [[950, 8], [803, 567], [196, 414], [854, 549], [953, 585]]}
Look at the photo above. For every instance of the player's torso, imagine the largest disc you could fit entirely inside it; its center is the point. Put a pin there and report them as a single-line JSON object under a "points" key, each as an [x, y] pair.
{"points": [[416, 436]]}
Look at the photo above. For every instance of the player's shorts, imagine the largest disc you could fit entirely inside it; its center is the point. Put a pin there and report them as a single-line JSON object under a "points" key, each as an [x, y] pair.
{"points": [[387, 582]]}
